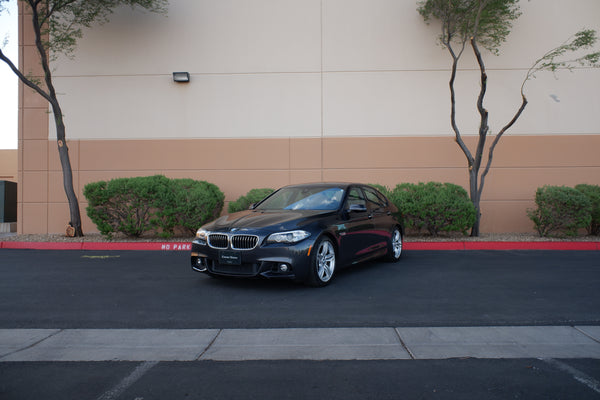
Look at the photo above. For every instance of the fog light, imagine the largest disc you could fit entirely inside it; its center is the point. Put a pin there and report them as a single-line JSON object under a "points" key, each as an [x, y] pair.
{"points": [[201, 264], [283, 268]]}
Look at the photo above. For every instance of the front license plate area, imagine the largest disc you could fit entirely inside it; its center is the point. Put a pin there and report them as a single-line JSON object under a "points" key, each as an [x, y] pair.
{"points": [[230, 258]]}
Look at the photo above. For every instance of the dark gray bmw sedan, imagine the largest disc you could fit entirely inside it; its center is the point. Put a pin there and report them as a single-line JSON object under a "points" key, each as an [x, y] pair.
{"points": [[301, 232]]}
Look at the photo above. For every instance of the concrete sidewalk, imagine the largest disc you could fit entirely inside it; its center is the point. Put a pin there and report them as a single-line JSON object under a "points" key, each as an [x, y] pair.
{"points": [[299, 344]]}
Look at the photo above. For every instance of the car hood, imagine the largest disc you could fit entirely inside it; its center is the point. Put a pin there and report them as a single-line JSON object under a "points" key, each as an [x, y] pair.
{"points": [[263, 220]]}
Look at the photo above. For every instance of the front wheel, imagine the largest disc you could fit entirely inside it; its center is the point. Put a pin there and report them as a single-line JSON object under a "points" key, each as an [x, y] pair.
{"points": [[395, 246], [322, 265]]}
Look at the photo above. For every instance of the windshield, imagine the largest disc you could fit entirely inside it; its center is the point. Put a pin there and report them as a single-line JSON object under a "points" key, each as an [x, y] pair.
{"points": [[304, 198]]}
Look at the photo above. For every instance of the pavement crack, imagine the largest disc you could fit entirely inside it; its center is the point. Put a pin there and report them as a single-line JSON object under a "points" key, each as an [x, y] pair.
{"points": [[410, 353], [209, 345], [32, 344], [586, 334]]}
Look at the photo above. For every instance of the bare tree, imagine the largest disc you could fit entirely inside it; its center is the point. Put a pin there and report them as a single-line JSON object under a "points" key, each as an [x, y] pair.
{"points": [[57, 24], [487, 23]]}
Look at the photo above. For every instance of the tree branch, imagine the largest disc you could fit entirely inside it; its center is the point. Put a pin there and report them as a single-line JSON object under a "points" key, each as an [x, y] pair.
{"points": [[484, 115], [497, 139], [457, 135], [51, 97], [26, 81]]}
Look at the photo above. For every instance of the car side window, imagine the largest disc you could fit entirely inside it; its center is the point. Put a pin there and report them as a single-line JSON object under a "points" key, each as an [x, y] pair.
{"points": [[355, 196], [374, 199]]}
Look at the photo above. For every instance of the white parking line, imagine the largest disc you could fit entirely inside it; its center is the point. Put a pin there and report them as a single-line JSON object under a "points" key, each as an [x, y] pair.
{"points": [[575, 373], [129, 380]]}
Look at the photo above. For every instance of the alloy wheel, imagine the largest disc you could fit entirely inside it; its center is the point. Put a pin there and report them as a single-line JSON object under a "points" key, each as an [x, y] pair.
{"points": [[325, 261]]}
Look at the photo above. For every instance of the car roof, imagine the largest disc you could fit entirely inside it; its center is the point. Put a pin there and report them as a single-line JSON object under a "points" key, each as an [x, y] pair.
{"points": [[341, 185]]}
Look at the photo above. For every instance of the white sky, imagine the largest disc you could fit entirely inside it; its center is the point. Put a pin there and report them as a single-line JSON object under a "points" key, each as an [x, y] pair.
{"points": [[8, 80]]}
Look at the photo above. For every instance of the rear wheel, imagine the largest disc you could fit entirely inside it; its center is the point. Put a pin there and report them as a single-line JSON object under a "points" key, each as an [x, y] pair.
{"points": [[395, 245], [322, 266]]}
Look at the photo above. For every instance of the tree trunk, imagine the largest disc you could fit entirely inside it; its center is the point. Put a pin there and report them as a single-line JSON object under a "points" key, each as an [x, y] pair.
{"points": [[475, 196], [75, 216], [476, 187], [65, 162], [50, 96]]}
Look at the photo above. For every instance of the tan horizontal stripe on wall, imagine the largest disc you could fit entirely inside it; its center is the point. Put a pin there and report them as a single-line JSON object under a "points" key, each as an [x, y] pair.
{"points": [[521, 164]]}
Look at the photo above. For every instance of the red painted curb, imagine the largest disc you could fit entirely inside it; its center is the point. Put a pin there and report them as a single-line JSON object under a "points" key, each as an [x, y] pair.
{"points": [[103, 246], [502, 246], [41, 245], [434, 246], [531, 246], [160, 246], [185, 246]]}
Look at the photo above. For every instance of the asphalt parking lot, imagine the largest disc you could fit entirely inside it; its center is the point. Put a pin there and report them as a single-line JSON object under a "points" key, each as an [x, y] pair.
{"points": [[139, 290], [439, 324]]}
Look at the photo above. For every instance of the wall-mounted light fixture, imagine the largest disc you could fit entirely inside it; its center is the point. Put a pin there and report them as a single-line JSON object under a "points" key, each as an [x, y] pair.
{"points": [[181, 76]]}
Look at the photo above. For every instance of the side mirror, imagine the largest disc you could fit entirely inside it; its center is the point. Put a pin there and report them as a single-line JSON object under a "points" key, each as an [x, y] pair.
{"points": [[357, 208]]}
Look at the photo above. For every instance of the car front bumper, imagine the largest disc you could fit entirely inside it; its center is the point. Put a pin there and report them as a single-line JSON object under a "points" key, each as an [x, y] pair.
{"points": [[270, 261]]}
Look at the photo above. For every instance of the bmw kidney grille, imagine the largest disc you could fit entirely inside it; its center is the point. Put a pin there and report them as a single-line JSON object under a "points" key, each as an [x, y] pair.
{"points": [[237, 242]]}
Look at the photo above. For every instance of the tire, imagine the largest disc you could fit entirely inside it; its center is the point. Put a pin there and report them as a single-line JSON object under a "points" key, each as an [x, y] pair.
{"points": [[395, 245], [322, 264]]}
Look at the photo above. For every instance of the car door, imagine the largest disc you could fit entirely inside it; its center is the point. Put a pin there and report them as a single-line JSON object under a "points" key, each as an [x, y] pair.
{"points": [[380, 217], [355, 238]]}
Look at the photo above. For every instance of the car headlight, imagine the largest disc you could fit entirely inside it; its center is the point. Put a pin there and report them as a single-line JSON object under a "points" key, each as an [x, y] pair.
{"points": [[202, 234], [287, 237]]}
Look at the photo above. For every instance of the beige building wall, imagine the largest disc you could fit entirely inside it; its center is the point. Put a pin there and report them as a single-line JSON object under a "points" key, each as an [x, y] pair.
{"points": [[288, 91], [8, 165]]}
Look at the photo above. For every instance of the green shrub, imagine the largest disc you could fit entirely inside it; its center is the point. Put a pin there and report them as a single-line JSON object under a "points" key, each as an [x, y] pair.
{"points": [[561, 211], [244, 202], [153, 204], [592, 192], [190, 205], [125, 204], [435, 207]]}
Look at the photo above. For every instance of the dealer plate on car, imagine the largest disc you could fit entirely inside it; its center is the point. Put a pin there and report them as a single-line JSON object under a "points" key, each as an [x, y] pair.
{"points": [[230, 258]]}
